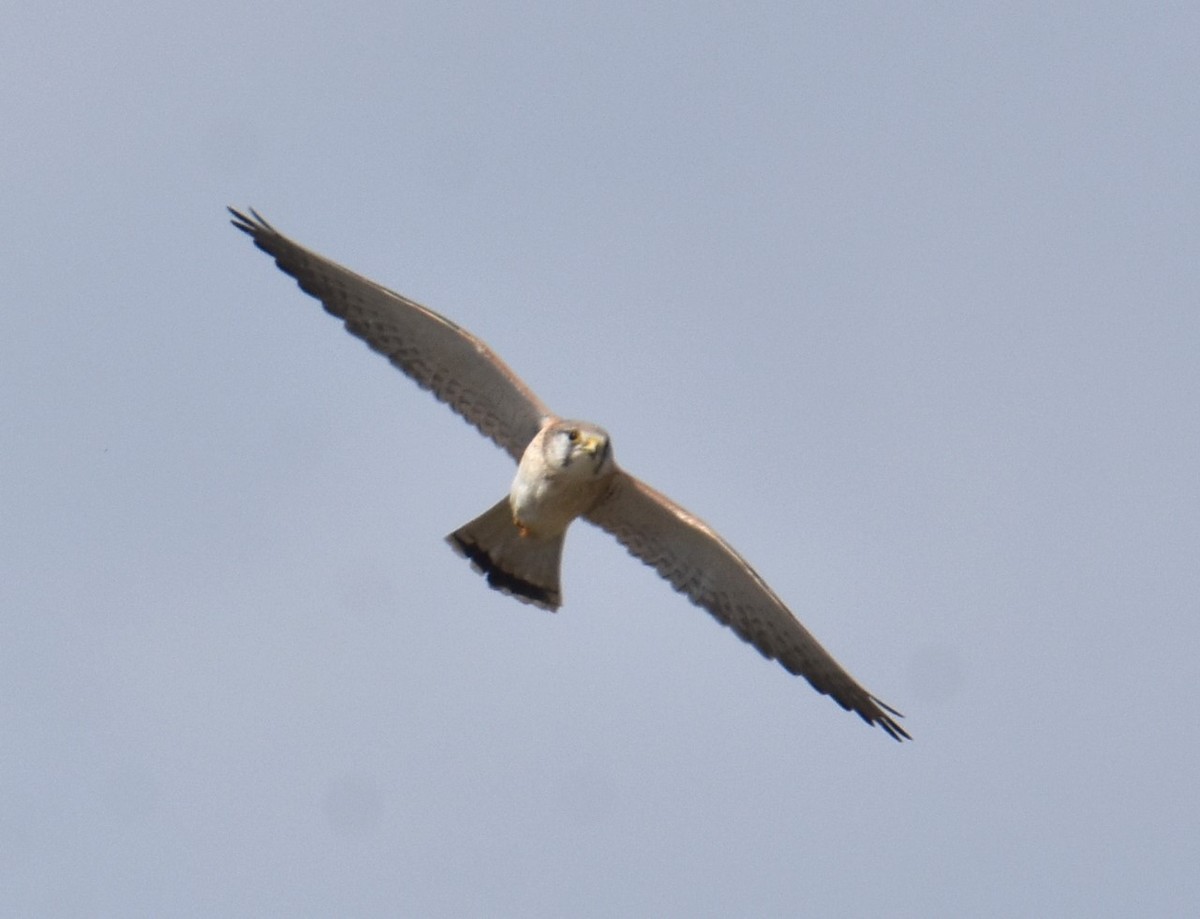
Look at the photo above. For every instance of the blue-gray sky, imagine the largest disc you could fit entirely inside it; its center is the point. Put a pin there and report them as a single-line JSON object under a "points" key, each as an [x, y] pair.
{"points": [[903, 299]]}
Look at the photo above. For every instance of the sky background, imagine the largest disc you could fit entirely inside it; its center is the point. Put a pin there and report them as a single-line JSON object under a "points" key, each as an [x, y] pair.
{"points": [[903, 299]]}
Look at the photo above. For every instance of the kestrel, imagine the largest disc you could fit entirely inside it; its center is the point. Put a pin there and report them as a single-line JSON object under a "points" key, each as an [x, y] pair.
{"points": [[565, 470]]}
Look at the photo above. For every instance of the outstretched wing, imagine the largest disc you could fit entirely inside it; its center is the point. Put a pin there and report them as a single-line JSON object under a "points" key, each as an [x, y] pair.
{"points": [[449, 361], [701, 565]]}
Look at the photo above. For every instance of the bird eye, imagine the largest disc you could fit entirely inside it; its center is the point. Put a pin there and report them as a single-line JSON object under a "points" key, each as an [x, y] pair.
{"points": [[573, 435]]}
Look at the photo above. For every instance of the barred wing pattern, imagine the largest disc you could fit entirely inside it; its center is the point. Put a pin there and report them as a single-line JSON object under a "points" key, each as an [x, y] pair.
{"points": [[441, 357], [701, 565]]}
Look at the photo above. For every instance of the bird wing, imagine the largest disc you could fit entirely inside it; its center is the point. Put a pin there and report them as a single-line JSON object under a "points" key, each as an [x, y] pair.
{"points": [[440, 356], [700, 564]]}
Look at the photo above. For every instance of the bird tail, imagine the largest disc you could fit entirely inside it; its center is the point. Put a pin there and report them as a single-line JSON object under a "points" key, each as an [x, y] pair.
{"points": [[517, 562]]}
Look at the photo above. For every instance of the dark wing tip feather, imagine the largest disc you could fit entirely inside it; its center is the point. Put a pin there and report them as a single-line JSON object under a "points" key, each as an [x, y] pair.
{"points": [[257, 228], [855, 699], [875, 712], [253, 224], [885, 720]]}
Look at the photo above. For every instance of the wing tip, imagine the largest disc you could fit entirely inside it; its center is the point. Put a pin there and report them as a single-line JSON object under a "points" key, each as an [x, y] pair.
{"points": [[877, 712], [854, 698], [251, 225]]}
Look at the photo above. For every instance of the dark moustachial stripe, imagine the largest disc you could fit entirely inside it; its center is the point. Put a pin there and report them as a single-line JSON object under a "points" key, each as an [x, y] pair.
{"points": [[603, 455]]}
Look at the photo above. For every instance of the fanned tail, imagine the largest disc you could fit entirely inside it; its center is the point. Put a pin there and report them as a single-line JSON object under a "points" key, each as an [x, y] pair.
{"points": [[523, 565]]}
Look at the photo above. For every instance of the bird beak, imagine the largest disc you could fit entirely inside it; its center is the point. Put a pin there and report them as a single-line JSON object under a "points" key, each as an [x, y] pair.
{"points": [[591, 444]]}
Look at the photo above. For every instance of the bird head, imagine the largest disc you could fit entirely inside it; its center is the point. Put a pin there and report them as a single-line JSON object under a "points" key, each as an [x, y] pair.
{"points": [[577, 446]]}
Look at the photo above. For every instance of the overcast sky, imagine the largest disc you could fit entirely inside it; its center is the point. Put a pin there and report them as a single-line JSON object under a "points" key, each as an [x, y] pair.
{"points": [[903, 299]]}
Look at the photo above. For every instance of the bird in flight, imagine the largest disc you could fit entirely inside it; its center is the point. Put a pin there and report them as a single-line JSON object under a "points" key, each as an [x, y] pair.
{"points": [[565, 470]]}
